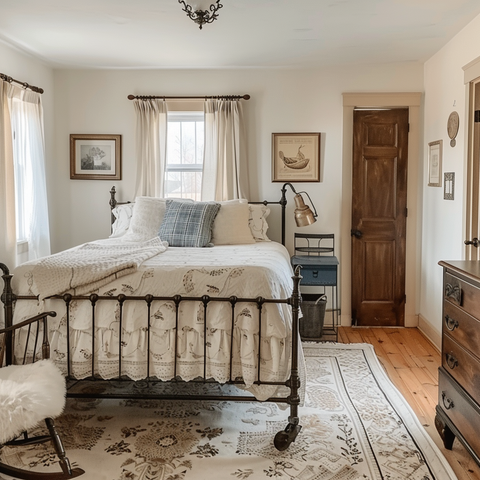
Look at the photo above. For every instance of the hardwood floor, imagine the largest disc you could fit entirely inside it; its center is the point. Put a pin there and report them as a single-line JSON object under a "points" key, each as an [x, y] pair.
{"points": [[412, 362]]}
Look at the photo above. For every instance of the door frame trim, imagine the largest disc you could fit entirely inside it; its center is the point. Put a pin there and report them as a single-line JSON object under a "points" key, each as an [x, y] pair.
{"points": [[412, 100]]}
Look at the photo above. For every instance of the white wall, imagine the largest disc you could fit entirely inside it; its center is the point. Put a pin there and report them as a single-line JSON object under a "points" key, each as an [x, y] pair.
{"points": [[25, 68], [95, 101], [443, 220]]}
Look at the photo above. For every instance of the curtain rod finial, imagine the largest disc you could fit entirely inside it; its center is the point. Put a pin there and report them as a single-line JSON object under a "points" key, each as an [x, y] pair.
{"points": [[131, 97]]}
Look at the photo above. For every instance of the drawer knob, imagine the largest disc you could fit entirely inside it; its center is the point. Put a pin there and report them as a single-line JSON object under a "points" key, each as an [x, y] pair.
{"points": [[451, 323], [452, 362], [447, 402], [315, 274]]}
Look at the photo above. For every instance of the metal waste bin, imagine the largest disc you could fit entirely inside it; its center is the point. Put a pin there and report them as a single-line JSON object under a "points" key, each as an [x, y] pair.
{"points": [[311, 324]]}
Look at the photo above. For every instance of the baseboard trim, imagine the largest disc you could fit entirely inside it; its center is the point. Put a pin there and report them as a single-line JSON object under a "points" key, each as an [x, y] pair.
{"points": [[410, 321], [430, 332], [345, 321]]}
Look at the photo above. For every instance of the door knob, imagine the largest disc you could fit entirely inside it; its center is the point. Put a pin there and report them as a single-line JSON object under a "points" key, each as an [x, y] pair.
{"points": [[475, 242], [356, 233]]}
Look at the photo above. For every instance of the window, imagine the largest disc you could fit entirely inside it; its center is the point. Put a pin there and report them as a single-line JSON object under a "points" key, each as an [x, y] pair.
{"points": [[24, 185], [185, 146], [31, 209]]}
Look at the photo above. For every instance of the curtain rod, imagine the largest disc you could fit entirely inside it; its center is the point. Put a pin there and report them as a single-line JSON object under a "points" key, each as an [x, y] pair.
{"points": [[8, 79], [219, 97]]}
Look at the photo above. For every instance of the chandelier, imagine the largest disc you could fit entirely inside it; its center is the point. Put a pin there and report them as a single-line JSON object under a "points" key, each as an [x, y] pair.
{"points": [[201, 17]]}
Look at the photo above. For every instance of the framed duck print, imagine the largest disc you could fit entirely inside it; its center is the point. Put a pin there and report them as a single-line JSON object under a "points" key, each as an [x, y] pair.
{"points": [[296, 157]]}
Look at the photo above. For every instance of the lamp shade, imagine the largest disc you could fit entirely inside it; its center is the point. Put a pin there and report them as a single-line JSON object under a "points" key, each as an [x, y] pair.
{"points": [[303, 215]]}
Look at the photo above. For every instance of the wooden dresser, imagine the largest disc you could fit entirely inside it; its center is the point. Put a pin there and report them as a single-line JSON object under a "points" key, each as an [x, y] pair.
{"points": [[458, 410]]}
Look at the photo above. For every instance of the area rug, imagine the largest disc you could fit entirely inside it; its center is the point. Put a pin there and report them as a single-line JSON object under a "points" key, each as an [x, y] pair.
{"points": [[355, 425]]}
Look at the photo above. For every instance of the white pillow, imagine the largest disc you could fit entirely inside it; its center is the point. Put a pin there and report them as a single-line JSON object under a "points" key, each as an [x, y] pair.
{"points": [[258, 222], [231, 224], [122, 214], [147, 216]]}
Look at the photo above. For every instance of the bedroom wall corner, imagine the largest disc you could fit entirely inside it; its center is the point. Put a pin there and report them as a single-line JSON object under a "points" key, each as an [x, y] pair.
{"points": [[443, 221]]}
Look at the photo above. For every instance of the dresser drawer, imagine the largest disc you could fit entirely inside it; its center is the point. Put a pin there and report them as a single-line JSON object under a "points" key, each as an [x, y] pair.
{"points": [[464, 414], [463, 294], [462, 366], [463, 328]]}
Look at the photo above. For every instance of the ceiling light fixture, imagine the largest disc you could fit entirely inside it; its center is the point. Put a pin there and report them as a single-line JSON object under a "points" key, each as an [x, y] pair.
{"points": [[199, 16]]}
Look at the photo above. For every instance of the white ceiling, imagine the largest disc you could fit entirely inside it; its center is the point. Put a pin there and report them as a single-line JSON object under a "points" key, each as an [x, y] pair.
{"points": [[248, 33]]}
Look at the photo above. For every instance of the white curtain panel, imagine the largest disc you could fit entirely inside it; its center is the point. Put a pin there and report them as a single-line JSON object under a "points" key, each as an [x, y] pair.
{"points": [[8, 246], [26, 113], [151, 146], [225, 169]]}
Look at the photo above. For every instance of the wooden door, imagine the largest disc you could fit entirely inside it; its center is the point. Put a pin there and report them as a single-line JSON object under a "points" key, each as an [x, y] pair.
{"points": [[379, 209]]}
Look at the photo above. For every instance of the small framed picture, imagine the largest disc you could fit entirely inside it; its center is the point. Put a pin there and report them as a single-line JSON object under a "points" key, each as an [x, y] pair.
{"points": [[95, 157], [295, 157], [435, 163]]}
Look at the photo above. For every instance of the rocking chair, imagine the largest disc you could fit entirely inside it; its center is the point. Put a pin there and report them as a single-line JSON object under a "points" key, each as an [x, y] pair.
{"points": [[31, 391]]}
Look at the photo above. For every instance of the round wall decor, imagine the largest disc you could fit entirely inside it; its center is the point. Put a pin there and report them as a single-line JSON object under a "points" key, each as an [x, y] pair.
{"points": [[452, 127]]}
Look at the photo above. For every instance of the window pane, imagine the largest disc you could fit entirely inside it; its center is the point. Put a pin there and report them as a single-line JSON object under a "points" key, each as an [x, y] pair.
{"points": [[22, 154], [200, 141], [188, 142], [183, 185], [183, 178], [173, 142]]}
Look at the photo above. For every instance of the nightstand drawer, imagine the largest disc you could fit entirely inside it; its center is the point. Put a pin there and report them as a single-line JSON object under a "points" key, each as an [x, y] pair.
{"points": [[319, 275], [317, 270]]}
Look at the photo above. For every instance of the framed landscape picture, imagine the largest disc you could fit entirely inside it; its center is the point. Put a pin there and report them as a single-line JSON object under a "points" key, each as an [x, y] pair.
{"points": [[95, 157], [295, 157]]}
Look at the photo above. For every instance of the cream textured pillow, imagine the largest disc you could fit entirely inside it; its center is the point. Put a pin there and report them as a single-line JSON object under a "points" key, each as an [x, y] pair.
{"points": [[123, 214], [147, 216], [231, 224], [258, 222]]}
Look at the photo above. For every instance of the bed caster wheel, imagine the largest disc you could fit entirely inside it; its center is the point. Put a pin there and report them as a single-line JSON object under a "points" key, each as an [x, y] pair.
{"points": [[284, 438]]}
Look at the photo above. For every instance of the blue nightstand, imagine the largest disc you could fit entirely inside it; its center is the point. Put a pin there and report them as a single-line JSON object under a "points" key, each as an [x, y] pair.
{"points": [[315, 253]]}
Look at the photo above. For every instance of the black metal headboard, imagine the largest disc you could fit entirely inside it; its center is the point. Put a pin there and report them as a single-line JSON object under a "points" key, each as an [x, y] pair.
{"points": [[282, 202]]}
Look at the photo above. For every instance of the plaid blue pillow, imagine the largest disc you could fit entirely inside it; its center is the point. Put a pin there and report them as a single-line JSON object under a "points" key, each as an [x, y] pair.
{"points": [[188, 224]]}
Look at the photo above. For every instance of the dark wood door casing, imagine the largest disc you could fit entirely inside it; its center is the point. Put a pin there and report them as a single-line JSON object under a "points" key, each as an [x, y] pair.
{"points": [[379, 209]]}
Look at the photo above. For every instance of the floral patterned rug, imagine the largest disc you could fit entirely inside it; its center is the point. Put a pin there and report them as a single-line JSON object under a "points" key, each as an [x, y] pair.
{"points": [[355, 425]]}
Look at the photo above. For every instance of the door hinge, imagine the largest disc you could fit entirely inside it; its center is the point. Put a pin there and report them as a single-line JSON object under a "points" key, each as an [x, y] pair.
{"points": [[406, 211], [408, 127]]}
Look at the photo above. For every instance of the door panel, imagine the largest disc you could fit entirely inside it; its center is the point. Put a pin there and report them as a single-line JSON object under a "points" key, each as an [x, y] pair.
{"points": [[379, 200], [379, 264], [379, 178]]}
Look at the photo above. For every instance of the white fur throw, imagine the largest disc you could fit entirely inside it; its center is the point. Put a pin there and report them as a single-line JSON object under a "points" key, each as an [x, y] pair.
{"points": [[28, 395]]}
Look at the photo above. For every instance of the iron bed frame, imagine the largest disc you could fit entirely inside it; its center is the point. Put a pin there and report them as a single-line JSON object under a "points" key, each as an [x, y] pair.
{"points": [[123, 388]]}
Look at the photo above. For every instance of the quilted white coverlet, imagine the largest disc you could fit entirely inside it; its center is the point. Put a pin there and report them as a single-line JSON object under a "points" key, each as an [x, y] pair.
{"points": [[247, 271], [91, 266]]}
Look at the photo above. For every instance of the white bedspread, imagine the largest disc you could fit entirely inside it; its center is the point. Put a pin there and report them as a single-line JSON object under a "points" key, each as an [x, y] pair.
{"points": [[91, 266], [247, 271]]}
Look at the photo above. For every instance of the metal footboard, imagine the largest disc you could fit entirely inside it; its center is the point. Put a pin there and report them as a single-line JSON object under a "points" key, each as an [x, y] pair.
{"points": [[149, 388]]}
